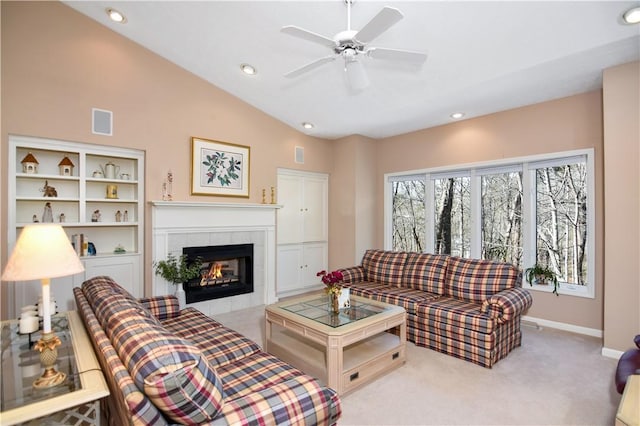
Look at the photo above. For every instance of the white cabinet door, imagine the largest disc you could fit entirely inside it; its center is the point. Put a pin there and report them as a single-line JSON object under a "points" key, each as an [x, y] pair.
{"points": [[314, 260], [315, 209], [289, 268], [290, 189], [298, 265], [124, 269]]}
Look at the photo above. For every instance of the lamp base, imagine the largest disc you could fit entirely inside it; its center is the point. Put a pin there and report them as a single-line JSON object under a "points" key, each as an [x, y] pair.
{"points": [[48, 356]]}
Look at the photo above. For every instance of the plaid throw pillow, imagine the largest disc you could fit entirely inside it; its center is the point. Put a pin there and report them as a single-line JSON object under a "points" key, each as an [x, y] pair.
{"points": [[172, 372], [425, 272], [475, 279], [384, 267]]}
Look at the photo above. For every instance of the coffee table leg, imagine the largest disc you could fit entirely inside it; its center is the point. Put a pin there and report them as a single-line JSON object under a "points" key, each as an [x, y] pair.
{"points": [[334, 363]]}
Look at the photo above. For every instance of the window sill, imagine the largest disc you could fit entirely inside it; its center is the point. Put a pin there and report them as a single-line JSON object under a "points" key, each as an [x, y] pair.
{"points": [[565, 290]]}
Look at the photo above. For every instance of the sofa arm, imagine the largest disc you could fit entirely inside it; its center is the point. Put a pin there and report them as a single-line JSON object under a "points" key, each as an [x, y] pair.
{"points": [[507, 304], [354, 274], [298, 401], [162, 307]]}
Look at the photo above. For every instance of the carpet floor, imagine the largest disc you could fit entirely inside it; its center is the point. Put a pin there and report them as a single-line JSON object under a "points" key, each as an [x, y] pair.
{"points": [[554, 378]]}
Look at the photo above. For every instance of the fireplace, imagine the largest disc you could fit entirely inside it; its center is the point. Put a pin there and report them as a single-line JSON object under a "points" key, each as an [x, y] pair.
{"points": [[227, 270]]}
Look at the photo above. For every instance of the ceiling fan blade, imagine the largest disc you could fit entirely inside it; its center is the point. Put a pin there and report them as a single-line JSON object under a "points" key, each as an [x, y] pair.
{"points": [[308, 35], [397, 55], [380, 23], [310, 66], [356, 75]]}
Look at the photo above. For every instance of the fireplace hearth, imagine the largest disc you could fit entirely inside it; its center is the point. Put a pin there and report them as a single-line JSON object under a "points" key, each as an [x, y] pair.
{"points": [[227, 270]]}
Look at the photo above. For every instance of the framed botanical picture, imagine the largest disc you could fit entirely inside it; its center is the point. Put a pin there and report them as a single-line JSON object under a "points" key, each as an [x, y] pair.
{"points": [[219, 168]]}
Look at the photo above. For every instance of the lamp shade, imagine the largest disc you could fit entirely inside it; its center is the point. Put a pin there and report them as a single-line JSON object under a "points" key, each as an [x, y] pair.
{"points": [[42, 251]]}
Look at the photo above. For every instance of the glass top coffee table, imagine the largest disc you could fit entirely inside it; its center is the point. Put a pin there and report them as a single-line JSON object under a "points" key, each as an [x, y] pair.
{"points": [[343, 350]]}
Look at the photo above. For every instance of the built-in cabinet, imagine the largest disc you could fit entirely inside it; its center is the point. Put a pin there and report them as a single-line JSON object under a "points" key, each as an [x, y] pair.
{"points": [[91, 190], [302, 230]]}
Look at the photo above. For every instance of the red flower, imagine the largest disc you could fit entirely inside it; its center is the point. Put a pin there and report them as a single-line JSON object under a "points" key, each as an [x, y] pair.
{"points": [[332, 278]]}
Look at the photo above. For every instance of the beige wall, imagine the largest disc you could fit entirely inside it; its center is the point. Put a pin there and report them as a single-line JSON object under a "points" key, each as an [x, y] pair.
{"points": [[57, 64], [561, 125], [621, 98]]}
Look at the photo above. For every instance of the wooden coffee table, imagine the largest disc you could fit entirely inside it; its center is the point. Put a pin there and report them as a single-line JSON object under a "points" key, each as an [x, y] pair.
{"points": [[343, 350]]}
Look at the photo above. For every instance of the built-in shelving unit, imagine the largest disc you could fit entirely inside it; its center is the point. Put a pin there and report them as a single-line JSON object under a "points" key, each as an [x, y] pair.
{"points": [[82, 193]]}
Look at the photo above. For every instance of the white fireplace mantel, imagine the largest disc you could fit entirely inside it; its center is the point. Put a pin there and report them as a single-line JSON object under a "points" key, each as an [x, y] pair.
{"points": [[177, 224]]}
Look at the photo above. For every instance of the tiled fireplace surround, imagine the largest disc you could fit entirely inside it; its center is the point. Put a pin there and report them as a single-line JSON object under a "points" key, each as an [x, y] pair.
{"points": [[187, 224]]}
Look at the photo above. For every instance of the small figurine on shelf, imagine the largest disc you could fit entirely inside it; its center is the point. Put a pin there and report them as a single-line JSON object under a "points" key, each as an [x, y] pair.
{"points": [[91, 249], [47, 214], [29, 164], [95, 217], [66, 167], [118, 216], [119, 249], [34, 219], [62, 217], [49, 191], [125, 218]]}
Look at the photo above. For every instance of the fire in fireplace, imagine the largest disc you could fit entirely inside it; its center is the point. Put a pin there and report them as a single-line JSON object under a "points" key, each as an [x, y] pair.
{"points": [[226, 271]]}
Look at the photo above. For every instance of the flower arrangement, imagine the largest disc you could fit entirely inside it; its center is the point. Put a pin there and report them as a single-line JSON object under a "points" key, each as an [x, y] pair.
{"points": [[332, 281]]}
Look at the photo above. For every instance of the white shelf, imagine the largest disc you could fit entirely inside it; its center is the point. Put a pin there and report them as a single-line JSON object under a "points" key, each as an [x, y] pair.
{"points": [[79, 195]]}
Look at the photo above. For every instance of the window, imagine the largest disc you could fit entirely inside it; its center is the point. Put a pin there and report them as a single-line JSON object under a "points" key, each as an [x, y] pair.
{"points": [[408, 214], [502, 217], [451, 213], [521, 211], [561, 220]]}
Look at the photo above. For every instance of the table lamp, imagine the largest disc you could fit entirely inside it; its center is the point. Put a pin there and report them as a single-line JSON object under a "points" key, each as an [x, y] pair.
{"points": [[43, 251]]}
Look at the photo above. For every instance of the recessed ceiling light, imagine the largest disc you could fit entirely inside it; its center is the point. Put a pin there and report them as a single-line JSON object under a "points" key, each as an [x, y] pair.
{"points": [[248, 69], [457, 115], [116, 16], [308, 125], [632, 16]]}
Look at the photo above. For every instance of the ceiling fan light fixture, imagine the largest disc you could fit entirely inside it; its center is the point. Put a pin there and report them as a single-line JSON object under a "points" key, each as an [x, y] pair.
{"points": [[632, 16], [457, 115], [116, 16], [248, 69], [308, 125]]}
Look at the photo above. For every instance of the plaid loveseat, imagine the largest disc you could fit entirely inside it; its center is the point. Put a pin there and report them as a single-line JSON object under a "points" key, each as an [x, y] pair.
{"points": [[467, 308], [170, 366]]}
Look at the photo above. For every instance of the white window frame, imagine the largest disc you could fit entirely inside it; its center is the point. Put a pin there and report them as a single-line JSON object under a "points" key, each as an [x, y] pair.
{"points": [[528, 165]]}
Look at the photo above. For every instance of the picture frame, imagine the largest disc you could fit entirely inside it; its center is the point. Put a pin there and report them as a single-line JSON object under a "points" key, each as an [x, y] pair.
{"points": [[219, 168]]}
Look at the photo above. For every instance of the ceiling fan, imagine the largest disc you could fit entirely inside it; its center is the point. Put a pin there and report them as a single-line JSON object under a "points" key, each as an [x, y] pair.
{"points": [[352, 46]]}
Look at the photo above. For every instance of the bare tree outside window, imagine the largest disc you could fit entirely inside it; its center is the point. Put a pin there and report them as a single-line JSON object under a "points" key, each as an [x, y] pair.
{"points": [[408, 215], [502, 217], [561, 221], [452, 208]]}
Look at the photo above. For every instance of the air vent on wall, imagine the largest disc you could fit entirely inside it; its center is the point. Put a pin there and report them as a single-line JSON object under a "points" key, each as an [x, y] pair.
{"points": [[101, 122], [299, 155]]}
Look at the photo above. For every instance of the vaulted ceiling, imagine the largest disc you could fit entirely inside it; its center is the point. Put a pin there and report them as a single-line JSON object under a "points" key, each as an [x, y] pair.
{"points": [[483, 57]]}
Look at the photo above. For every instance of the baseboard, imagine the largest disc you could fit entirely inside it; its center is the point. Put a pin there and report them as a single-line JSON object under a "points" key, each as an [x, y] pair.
{"points": [[611, 353], [593, 332]]}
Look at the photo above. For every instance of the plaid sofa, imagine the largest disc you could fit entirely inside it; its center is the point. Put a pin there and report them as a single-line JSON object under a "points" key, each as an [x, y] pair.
{"points": [[170, 366], [467, 308]]}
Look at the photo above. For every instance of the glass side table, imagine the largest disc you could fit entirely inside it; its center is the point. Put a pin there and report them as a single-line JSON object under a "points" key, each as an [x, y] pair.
{"points": [[75, 401]]}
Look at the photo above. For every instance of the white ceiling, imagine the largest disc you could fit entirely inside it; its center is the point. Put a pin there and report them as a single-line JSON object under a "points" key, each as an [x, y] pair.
{"points": [[483, 57]]}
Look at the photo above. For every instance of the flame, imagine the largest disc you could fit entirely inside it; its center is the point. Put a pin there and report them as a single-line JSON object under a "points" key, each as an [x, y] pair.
{"points": [[215, 271]]}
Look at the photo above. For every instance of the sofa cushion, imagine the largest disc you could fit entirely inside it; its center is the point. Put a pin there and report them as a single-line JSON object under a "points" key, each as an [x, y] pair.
{"points": [[475, 280], [169, 370], [384, 267], [455, 314], [408, 298], [254, 373], [424, 271]]}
